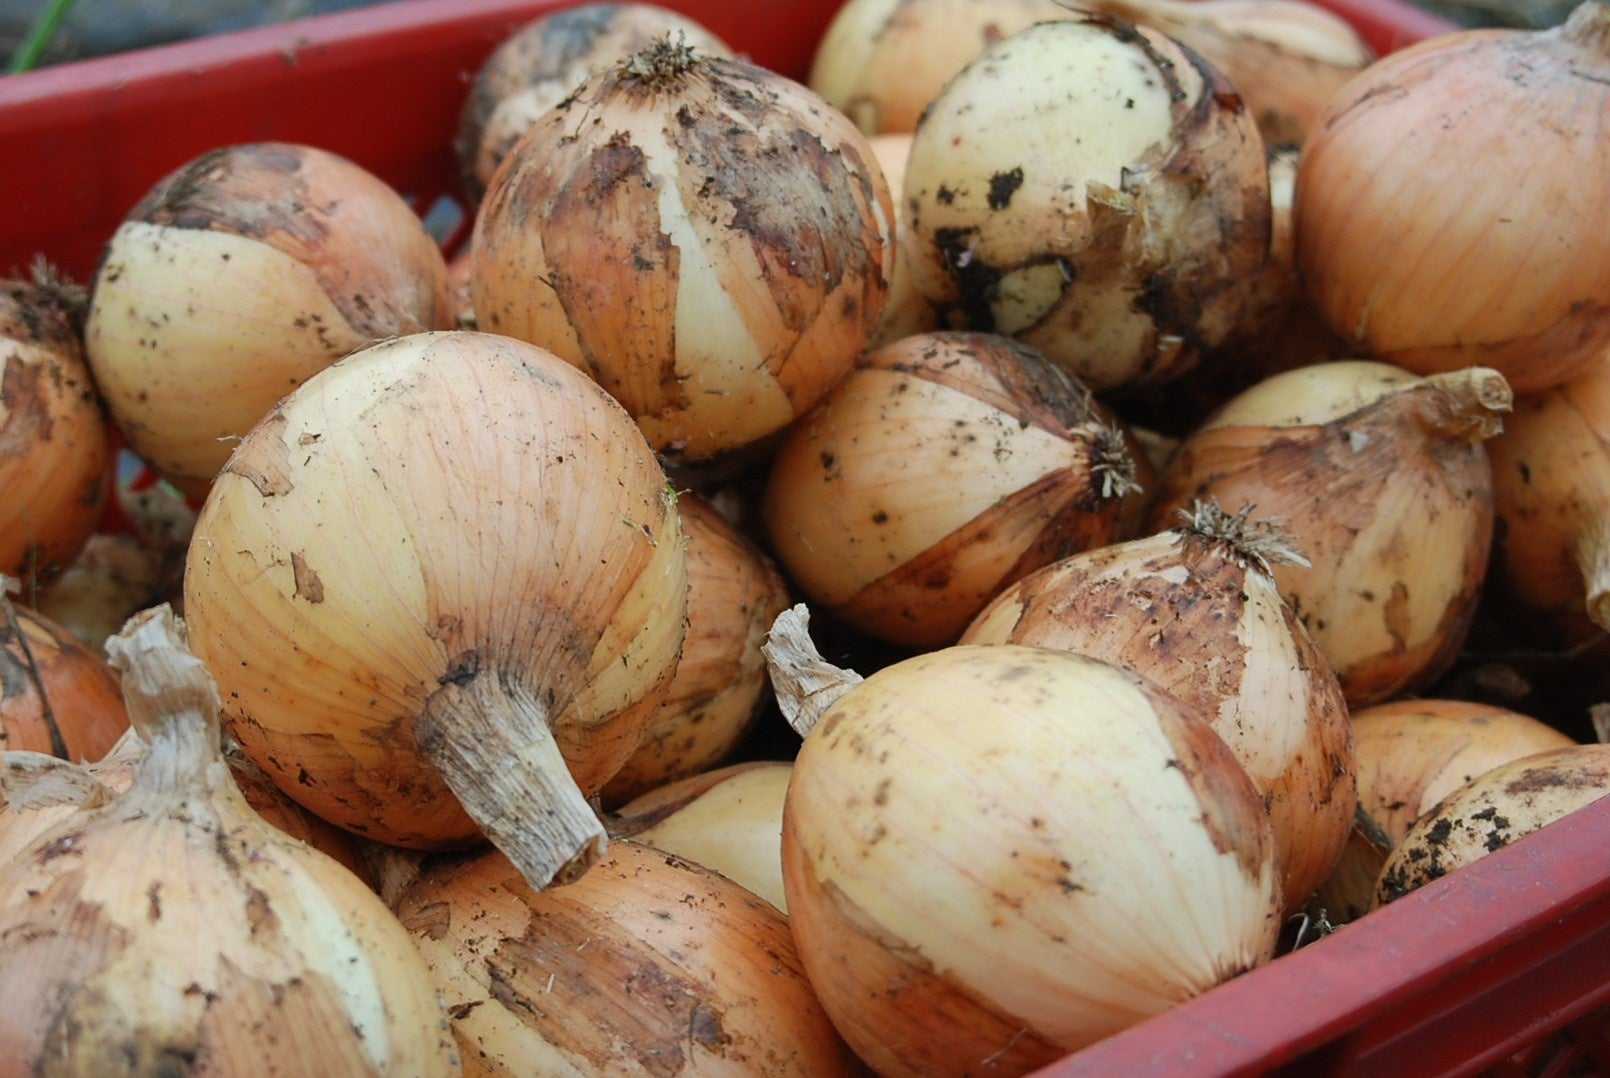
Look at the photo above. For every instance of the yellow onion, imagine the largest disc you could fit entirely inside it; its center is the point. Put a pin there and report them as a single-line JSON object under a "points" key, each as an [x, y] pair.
{"points": [[1195, 610], [942, 468], [729, 819], [538, 65], [1384, 481], [995, 855], [720, 685], [442, 586], [55, 446], [1123, 251], [1414, 235], [56, 695], [1410, 754], [649, 965], [1551, 490], [240, 274], [1286, 58], [881, 61], [711, 240], [173, 929], [1492, 810]]}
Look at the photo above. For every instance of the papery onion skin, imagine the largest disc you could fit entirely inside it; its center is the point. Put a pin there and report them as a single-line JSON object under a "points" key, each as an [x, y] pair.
{"points": [[997, 854], [55, 444], [56, 695], [942, 468], [710, 240], [1382, 478], [1451, 209], [1123, 253], [534, 68], [649, 964], [1196, 611], [446, 544], [241, 274], [1492, 810]]}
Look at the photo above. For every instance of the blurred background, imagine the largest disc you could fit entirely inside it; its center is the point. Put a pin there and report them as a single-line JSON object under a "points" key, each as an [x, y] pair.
{"points": [[35, 33]]}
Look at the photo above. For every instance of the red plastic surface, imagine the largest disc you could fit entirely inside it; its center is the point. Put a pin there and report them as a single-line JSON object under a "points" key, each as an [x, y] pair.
{"points": [[1454, 978]]}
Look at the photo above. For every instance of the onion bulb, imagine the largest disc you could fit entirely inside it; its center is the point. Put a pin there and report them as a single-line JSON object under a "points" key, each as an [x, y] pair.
{"points": [[1382, 477], [56, 695], [442, 585], [543, 61], [55, 445], [729, 819], [995, 855], [1124, 250], [720, 685], [1492, 810], [649, 965], [942, 468], [1195, 610], [172, 929], [709, 239], [237, 277], [1451, 207], [906, 311], [1551, 491]]}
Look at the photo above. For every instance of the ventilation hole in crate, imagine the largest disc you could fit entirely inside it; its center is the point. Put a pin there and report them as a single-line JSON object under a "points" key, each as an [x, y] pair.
{"points": [[445, 219]]}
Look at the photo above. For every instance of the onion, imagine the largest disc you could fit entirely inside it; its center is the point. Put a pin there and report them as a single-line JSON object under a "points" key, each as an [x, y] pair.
{"points": [[1492, 810], [711, 240], [238, 276], [55, 446], [1123, 252], [882, 61], [174, 929], [720, 685], [942, 468], [1413, 235], [1551, 490], [906, 311], [648, 965], [1383, 479], [996, 855], [56, 695], [442, 586], [1195, 610], [1287, 58], [541, 63], [729, 819]]}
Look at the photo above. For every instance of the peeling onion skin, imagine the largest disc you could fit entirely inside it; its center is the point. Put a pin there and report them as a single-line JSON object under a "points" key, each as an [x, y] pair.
{"points": [[1551, 486], [1095, 190], [56, 694], [173, 930], [538, 65], [1492, 810], [881, 61], [709, 239], [239, 276], [720, 684], [995, 855], [443, 584], [1196, 611], [942, 468], [55, 444], [648, 965], [1451, 266], [1383, 480]]}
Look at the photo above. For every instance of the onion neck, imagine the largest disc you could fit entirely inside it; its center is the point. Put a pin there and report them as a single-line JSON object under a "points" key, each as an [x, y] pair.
{"points": [[1593, 558], [494, 747], [1588, 26], [1467, 404]]}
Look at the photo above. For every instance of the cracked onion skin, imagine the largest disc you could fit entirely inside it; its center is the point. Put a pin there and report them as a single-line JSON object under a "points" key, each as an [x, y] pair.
{"points": [[712, 241], [1383, 480], [443, 587], [1095, 190], [237, 277], [995, 855], [647, 965]]}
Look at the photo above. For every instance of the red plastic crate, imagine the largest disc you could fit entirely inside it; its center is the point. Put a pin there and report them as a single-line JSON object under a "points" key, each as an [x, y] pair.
{"points": [[1503, 966]]}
